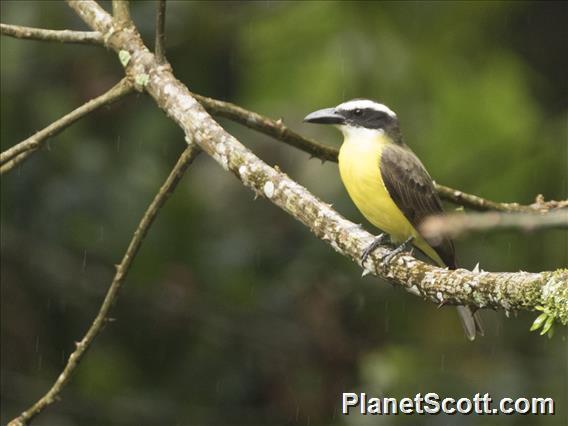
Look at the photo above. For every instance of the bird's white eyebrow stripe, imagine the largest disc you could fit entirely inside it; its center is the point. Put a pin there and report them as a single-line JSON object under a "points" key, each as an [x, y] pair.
{"points": [[366, 103]]}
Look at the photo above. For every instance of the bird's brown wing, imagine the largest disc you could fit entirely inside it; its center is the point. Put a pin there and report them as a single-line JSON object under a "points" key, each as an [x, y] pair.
{"points": [[412, 189]]}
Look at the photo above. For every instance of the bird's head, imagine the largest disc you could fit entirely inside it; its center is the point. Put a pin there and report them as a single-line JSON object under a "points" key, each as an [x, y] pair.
{"points": [[359, 115]]}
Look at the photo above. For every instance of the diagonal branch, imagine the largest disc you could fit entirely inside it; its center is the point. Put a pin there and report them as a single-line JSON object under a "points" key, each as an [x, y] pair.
{"points": [[268, 126], [279, 131], [14, 162], [457, 224], [63, 36], [521, 290], [160, 42], [20, 152], [504, 290], [122, 269], [525, 291]]}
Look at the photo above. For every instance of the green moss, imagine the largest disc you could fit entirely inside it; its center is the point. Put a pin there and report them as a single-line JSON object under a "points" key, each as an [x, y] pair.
{"points": [[142, 79], [555, 295], [124, 57], [555, 302]]}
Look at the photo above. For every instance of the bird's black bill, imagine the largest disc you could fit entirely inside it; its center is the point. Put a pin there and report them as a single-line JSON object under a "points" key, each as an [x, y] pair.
{"points": [[325, 116]]}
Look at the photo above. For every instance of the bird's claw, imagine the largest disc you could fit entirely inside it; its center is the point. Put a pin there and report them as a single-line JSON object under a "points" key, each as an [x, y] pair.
{"points": [[379, 239], [386, 259]]}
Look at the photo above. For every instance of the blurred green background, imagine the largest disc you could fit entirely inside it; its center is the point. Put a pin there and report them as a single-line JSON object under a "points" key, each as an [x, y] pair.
{"points": [[233, 313]]}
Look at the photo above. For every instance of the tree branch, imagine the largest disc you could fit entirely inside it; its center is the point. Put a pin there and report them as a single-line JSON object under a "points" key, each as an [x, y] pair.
{"points": [[274, 128], [519, 291], [160, 42], [458, 224], [122, 269], [481, 204], [20, 152], [121, 11], [14, 162], [63, 36], [277, 130], [547, 291]]}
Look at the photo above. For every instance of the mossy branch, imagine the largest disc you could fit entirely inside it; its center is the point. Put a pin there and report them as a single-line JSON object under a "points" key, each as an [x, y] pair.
{"points": [[505, 290], [544, 291]]}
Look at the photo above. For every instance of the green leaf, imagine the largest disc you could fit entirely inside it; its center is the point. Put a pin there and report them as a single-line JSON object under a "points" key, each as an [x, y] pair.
{"points": [[538, 322], [142, 79], [547, 325], [124, 57]]}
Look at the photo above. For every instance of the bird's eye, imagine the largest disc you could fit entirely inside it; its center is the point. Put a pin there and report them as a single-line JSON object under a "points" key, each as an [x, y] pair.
{"points": [[358, 111]]}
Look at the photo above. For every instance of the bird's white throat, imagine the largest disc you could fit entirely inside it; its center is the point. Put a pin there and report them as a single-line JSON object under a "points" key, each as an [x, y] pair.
{"points": [[359, 134]]}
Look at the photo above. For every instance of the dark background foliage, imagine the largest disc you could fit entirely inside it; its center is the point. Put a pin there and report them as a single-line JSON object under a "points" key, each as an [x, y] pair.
{"points": [[233, 313]]}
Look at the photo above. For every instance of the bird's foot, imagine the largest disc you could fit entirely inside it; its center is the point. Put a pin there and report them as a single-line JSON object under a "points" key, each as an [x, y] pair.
{"points": [[379, 239], [401, 248]]}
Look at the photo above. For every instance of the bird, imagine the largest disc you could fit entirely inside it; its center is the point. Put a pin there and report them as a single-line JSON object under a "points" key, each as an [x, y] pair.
{"points": [[389, 185]]}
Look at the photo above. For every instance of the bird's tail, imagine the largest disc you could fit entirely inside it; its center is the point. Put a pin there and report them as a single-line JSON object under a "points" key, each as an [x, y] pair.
{"points": [[471, 322]]}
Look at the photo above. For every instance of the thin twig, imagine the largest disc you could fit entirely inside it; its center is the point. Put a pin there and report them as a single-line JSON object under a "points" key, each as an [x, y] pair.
{"points": [[121, 10], [9, 165], [160, 43], [122, 269], [279, 131], [481, 204], [21, 151], [274, 128], [458, 224], [63, 36]]}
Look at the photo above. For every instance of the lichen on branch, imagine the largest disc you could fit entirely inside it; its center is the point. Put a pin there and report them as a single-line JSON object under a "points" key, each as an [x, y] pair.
{"points": [[504, 290], [546, 291]]}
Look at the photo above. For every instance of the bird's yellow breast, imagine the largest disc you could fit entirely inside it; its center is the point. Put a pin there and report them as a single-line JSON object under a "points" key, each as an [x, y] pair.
{"points": [[359, 162]]}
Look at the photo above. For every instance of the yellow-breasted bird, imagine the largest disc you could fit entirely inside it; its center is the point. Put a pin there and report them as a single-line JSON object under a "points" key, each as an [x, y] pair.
{"points": [[388, 183]]}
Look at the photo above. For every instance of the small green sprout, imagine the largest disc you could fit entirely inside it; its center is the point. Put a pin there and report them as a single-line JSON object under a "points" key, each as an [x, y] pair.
{"points": [[124, 57], [544, 321], [142, 79]]}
